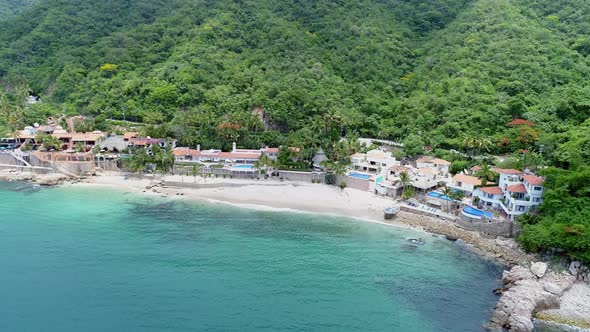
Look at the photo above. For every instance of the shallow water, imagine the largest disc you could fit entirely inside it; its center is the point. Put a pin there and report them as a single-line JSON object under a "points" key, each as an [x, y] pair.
{"points": [[75, 259]]}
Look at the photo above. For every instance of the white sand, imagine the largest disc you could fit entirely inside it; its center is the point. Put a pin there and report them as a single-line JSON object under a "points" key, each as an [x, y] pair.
{"points": [[299, 196]]}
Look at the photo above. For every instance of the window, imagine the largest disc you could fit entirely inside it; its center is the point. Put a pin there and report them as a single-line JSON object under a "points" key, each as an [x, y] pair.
{"points": [[538, 188]]}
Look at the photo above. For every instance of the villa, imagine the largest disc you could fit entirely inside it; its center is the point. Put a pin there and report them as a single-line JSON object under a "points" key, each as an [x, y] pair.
{"points": [[373, 162], [465, 183], [517, 193], [435, 163]]}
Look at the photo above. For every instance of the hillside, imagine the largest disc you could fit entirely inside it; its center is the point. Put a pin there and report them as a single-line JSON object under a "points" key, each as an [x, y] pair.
{"points": [[11, 8], [442, 70]]}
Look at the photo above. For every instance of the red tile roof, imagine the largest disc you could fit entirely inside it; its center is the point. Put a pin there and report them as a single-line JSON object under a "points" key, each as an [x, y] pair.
{"points": [[508, 171], [131, 134], [272, 150], [533, 179], [517, 188], [440, 162], [467, 179], [492, 190], [178, 152], [424, 159]]}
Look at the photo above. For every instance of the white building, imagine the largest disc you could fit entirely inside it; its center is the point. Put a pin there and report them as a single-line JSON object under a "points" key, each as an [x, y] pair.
{"points": [[517, 193], [373, 162], [430, 162], [465, 183]]}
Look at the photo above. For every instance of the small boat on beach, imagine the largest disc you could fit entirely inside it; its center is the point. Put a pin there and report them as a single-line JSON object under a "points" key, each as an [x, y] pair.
{"points": [[390, 212]]}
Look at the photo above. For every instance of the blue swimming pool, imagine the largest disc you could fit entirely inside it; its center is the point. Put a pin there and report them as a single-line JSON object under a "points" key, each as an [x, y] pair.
{"points": [[244, 166], [471, 211], [439, 195], [359, 175]]}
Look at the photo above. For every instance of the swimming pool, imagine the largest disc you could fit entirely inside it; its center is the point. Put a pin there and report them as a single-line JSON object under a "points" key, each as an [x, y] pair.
{"points": [[476, 213], [243, 166], [359, 175], [439, 195]]}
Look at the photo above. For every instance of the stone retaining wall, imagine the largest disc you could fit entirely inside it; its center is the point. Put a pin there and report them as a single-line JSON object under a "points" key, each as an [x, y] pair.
{"points": [[302, 176], [492, 228], [353, 183]]}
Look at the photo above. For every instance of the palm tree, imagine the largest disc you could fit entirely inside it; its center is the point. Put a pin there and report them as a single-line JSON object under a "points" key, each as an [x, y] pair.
{"points": [[405, 181], [469, 142], [49, 142], [195, 170], [264, 163], [447, 192], [486, 174], [483, 143]]}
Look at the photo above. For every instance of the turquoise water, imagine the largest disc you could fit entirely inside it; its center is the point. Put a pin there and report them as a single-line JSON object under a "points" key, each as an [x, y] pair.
{"points": [[72, 259], [359, 175], [245, 166], [476, 212], [439, 195]]}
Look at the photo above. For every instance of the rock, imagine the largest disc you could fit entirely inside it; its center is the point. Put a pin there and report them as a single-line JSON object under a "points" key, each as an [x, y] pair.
{"points": [[552, 288], [517, 273], [451, 238], [539, 269], [50, 179], [575, 267], [524, 295]]}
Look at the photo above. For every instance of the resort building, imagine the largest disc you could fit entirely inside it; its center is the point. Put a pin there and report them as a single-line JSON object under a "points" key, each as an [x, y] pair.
{"points": [[114, 143], [517, 193], [465, 183], [435, 163], [373, 162]]}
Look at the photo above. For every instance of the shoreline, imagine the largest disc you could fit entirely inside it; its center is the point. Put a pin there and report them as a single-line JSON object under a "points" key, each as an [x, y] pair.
{"points": [[312, 199], [319, 199]]}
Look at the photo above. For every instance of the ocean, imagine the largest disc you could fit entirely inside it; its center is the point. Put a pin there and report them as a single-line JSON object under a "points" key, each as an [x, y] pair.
{"points": [[98, 259]]}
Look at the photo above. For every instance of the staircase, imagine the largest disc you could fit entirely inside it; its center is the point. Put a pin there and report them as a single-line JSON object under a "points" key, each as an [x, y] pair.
{"points": [[18, 156]]}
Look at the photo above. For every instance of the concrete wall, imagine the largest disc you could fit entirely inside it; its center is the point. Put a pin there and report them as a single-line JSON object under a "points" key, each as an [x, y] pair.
{"points": [[74, 167], [425, 213], [302, 176], [7, 159], [353, 183], [492, 228], [36, 170]]}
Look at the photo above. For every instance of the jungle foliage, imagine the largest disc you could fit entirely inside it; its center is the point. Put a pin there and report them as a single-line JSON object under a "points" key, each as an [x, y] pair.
{"points": [[447, 74]]}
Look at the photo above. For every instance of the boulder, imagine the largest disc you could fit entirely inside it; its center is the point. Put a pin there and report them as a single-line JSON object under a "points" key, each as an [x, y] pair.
{"points": [[50, 179], [539, 269], [517, 273], [553, 288], [575, 267]]}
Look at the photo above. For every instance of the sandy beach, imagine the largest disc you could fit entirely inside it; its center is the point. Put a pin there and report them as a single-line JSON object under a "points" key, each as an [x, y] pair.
{"points": [[309, 198]]}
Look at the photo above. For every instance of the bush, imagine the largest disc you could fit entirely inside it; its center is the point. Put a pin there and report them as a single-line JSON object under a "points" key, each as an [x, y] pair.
{"points": [[342, 185]]}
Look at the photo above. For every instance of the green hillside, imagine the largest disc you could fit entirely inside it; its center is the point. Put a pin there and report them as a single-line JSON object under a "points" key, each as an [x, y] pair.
{"points": [[11, 8], [442, 70], [450, 74]]}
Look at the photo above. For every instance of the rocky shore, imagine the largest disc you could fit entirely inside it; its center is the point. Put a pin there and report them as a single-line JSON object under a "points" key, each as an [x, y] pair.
{"points": [[503, 250], [49, 179], [537, 292]]}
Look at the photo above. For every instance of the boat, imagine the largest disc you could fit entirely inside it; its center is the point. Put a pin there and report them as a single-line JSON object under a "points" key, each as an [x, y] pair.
{"points": [[390, 212]]}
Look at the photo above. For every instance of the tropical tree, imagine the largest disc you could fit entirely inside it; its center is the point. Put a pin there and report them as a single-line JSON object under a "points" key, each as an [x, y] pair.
{"points": [[49, 142], [195, 170], [12, 110], [486, 174], [265, 163], [406, 181], [447, 191], [80, 147]]}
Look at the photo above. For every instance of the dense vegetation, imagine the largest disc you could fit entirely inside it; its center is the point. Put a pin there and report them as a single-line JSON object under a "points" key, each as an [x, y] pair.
{"points": [[449, 74], [11, 8]]}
